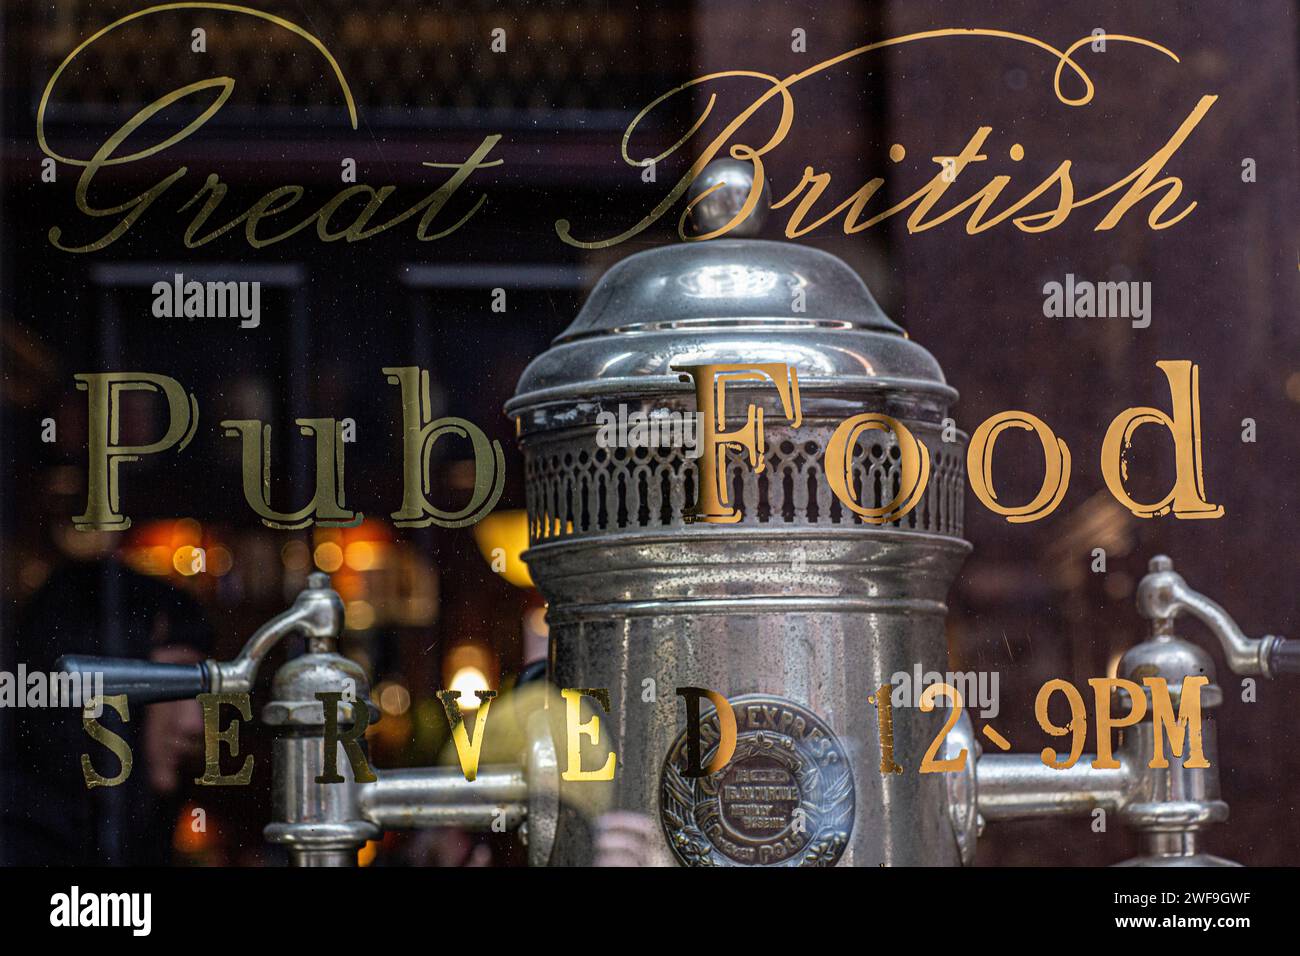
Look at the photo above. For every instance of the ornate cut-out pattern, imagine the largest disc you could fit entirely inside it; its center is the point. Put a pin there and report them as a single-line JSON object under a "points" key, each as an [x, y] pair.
{"points": [[578, 489]]}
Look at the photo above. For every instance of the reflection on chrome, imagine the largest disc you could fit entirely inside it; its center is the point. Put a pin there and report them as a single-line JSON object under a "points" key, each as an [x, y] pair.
{"points": [[729, 281]]}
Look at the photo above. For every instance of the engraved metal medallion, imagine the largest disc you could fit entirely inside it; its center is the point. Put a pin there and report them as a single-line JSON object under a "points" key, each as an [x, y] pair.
{"points": [[784, 799]]}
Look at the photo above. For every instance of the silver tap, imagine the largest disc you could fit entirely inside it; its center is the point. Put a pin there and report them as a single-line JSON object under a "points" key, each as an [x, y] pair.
{"points": [[1163, 595]]}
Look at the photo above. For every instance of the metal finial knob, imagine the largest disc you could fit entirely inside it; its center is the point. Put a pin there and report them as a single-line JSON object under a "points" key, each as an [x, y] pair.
{"points": [[734, 180], [1161, 562], [318, 580]]}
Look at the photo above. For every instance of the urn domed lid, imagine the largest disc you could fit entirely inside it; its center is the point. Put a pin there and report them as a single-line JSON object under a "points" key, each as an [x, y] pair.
{"points": [[726, 301]]}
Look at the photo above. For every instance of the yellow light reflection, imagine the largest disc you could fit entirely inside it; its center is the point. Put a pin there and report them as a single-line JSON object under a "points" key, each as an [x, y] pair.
{"points": [[467, 680], [394, 699], [502, 537], [188, 560], [360, 555], [329, 557], [359, 616]]}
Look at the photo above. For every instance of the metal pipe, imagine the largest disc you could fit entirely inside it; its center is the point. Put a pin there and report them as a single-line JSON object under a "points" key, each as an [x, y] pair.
{"points": [[1021, 786], [1180, 843], [424, 797], [322, 858]]}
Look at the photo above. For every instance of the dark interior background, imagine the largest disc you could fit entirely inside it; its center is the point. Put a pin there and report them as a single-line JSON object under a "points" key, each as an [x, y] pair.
{"points": [[1224, 285]]}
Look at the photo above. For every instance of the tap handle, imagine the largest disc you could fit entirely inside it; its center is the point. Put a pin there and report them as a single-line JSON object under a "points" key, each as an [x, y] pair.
{"points": [[317, 612], [1163, 595], [143, 682], [1284, 658]]}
